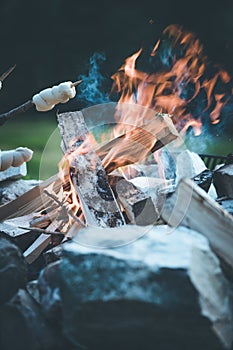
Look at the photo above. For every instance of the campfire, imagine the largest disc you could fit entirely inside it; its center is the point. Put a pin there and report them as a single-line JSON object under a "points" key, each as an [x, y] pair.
{"points": [[126, 164]]}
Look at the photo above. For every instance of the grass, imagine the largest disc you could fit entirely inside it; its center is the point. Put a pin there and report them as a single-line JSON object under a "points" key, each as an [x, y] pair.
{"points": [[40, 133]]}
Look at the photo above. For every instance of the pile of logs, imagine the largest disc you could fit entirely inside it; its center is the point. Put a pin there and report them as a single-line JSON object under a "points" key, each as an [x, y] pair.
{"points": [[102, 199]]}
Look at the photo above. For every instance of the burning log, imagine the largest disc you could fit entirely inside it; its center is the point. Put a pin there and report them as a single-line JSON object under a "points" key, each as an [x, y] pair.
{"points": [[135, 145], [138, 206], [88, 175], [191, 206]]}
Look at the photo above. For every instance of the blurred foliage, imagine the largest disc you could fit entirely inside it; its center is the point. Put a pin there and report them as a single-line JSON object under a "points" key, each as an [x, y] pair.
{"points": [[41, 136]]}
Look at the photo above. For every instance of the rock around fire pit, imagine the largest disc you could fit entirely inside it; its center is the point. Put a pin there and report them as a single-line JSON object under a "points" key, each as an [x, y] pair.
{"points": [[142, 295]]}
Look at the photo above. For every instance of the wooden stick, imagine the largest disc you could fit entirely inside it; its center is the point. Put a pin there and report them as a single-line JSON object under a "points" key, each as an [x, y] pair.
{"points": [[7, 73], [76, 83], [20, 109], [25, 106], [41, 230]]}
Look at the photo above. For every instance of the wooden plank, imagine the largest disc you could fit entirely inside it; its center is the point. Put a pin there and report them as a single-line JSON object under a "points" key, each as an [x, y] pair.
{"points": [[33, 252], [192, 207], [41, 243], [96, 198], [32, 201]]}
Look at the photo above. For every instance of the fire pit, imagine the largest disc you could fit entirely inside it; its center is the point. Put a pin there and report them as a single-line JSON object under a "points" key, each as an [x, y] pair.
{"points": [[127, 246]]}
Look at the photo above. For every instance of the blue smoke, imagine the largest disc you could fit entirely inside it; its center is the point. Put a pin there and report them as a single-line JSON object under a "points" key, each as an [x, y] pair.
{"points": [[91, 88]]}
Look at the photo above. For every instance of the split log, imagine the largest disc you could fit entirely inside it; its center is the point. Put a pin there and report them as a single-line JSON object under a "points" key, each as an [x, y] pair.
{"points": [[137, 144], [88, 175], [191, 206], [138, 206]]}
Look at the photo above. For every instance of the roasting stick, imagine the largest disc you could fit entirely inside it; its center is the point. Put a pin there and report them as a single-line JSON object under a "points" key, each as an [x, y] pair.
{"points": [[45, 100]]}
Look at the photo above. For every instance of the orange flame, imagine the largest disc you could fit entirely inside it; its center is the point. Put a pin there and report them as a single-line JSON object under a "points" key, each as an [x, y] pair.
{"points": [[162, 91]]}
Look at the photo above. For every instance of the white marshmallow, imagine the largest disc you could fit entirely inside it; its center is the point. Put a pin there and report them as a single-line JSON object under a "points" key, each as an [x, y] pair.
{"points": [[14, 157], [48, 98]]}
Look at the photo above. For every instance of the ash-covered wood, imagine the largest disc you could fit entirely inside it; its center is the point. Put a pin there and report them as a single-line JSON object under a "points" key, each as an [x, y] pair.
{"points": [[87, 174], [190, 206], [138, 206]]}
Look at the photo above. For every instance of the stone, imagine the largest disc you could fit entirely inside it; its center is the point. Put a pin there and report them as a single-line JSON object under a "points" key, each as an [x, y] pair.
{"points": [[33, 289], [23, 326], [12, 270], [166, 290], [227, 204], [188, 164], [223, 181], [10, 190], [13, 173], [49, 293]]}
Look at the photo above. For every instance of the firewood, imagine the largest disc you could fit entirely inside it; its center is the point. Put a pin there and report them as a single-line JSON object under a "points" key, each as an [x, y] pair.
{"points": [[32, 201], [41, 243], [88, 175], [138, 206], [192, 207], [33, 252], [137, 144]]}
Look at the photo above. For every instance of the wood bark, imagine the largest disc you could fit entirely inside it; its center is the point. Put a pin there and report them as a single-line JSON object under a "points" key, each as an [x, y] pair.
{"points": [[87, 173], [20, 109]]}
